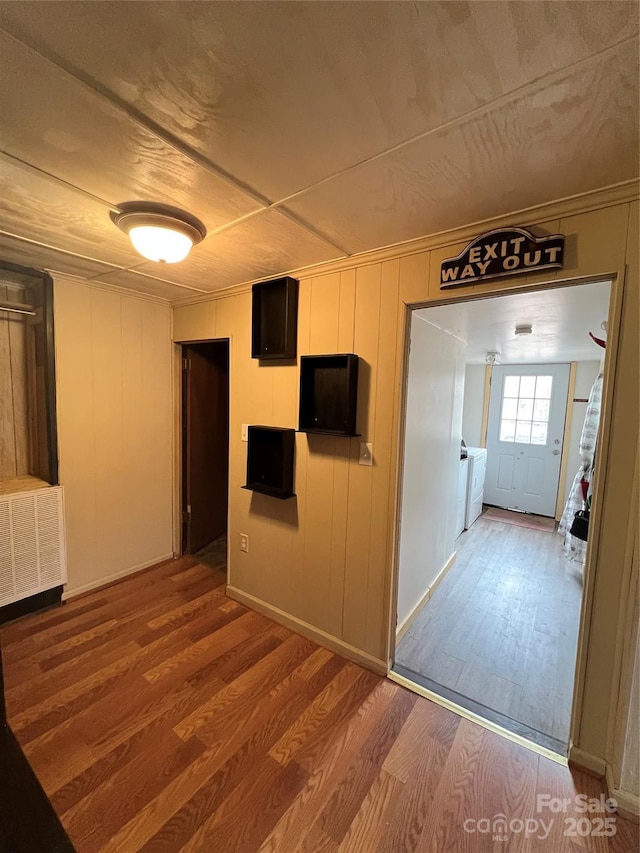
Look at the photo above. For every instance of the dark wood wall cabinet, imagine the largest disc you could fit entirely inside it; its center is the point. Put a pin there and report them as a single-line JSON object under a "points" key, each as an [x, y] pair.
{"points": [[274, 319], [270, 453], [328, 394]]}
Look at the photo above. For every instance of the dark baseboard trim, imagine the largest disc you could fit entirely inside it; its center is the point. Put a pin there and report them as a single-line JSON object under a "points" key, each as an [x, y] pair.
{"points": [[48, 598], [508, 723]]}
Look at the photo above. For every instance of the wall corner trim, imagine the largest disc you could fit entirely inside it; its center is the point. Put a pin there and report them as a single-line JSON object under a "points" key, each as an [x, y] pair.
{"points": [[587, 763], [328, 641], [628, 803]]}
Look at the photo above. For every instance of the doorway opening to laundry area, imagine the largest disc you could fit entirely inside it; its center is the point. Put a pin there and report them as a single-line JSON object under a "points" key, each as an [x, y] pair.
{"points": [[501, 424]]}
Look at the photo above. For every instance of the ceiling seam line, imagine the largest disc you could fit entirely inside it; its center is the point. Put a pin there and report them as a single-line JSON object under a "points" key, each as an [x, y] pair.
{"points": [[47, 175], [289, 214], [98, 278], [114, 267], [527, 88], [134, 271], [141, 119], [71, 254], [113, 206]]}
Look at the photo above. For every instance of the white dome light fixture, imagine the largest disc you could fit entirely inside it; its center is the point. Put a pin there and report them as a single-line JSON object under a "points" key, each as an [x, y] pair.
{"points": [[524, 329], [159, 232]]}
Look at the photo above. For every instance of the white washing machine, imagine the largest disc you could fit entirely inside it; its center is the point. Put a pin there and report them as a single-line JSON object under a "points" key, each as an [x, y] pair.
{"points": [[475, 484]]}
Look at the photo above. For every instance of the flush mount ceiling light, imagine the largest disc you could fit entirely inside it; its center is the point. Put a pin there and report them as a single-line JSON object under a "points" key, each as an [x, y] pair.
{"points": [[524, 329], [158, 232]]}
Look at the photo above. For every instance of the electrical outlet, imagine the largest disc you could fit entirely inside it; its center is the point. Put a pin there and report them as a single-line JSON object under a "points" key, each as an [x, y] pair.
{"points": [[245, 432], [366, 454], [244, 543]]}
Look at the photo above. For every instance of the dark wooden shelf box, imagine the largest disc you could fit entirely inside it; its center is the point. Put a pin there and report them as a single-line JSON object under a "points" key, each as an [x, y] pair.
{"points": [[270, 461], [328, 394], [274, 319]]}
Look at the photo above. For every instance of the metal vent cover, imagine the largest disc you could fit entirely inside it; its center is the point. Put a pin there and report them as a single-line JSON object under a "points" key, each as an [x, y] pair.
{"points": [[32, 543]]}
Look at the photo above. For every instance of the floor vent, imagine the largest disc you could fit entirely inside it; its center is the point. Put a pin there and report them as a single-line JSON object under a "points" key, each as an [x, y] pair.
{"points": [[32, 543]]}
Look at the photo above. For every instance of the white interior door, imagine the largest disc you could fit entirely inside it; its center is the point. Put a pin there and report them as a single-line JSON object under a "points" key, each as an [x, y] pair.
{"points": [[527, 409]]}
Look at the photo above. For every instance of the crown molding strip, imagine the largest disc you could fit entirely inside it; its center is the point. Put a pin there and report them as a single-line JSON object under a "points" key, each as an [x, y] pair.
{"points": [[94, 284], [621, 193]]}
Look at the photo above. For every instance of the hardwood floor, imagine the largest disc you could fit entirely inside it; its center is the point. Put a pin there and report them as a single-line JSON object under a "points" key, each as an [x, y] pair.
{"points": [[161, 716], [502, 628]]}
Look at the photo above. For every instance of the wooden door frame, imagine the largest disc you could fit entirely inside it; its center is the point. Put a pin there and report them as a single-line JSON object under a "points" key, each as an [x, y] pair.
{"points": [[616, 295], [179, 483]]}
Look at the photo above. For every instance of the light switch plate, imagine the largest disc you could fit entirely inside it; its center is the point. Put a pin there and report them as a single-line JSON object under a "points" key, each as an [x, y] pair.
{"points": [[244, 543], [245, 432], [366, 453]]}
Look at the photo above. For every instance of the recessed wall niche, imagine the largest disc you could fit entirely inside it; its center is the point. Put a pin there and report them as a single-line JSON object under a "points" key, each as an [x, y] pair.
{"points": [[274, 319], [329, 394], [28, 434]]}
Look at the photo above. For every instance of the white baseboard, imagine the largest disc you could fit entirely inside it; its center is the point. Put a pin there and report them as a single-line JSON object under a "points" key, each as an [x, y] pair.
{"points": [[410, 619], [310, 631], [87, 587], [413, 615], [443, 571]]}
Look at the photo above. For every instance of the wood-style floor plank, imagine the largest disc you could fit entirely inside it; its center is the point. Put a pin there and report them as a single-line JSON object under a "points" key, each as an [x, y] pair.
{"points": [[160, 716], [502, 627]]}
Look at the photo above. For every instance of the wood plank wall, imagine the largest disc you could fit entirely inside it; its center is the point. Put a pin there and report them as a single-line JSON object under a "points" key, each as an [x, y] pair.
{"points": [[113, 363], [14, 419], [326, 558]]}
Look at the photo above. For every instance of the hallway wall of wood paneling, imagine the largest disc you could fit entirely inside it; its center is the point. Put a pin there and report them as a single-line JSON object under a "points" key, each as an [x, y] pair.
{"points": [[113, 365], [326, 559], [160, 716]]}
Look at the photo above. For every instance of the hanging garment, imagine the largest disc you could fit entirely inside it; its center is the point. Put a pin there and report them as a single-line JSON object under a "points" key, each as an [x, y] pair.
{"points": [[577, 548]]}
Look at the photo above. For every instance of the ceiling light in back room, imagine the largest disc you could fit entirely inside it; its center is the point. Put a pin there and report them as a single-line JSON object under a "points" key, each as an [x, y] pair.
{"points": [[159, 232], [524, 329]]}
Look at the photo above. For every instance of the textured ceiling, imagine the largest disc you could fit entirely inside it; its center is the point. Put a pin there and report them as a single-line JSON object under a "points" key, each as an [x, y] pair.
{"points": [[561, 319], [299, 132]]}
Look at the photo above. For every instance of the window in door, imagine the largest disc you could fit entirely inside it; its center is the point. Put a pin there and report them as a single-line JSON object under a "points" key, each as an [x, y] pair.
{"points": [[526, 401]]}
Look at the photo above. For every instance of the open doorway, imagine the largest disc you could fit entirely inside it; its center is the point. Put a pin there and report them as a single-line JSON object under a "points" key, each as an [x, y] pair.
{"points": [[205, 451], [490, 580]]}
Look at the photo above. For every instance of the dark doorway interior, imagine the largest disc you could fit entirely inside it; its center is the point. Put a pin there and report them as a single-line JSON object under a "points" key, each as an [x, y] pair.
{"points": [[205, 443]]}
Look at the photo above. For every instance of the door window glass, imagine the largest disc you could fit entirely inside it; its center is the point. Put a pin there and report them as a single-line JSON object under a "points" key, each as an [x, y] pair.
{"points": [[526, 402]]}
